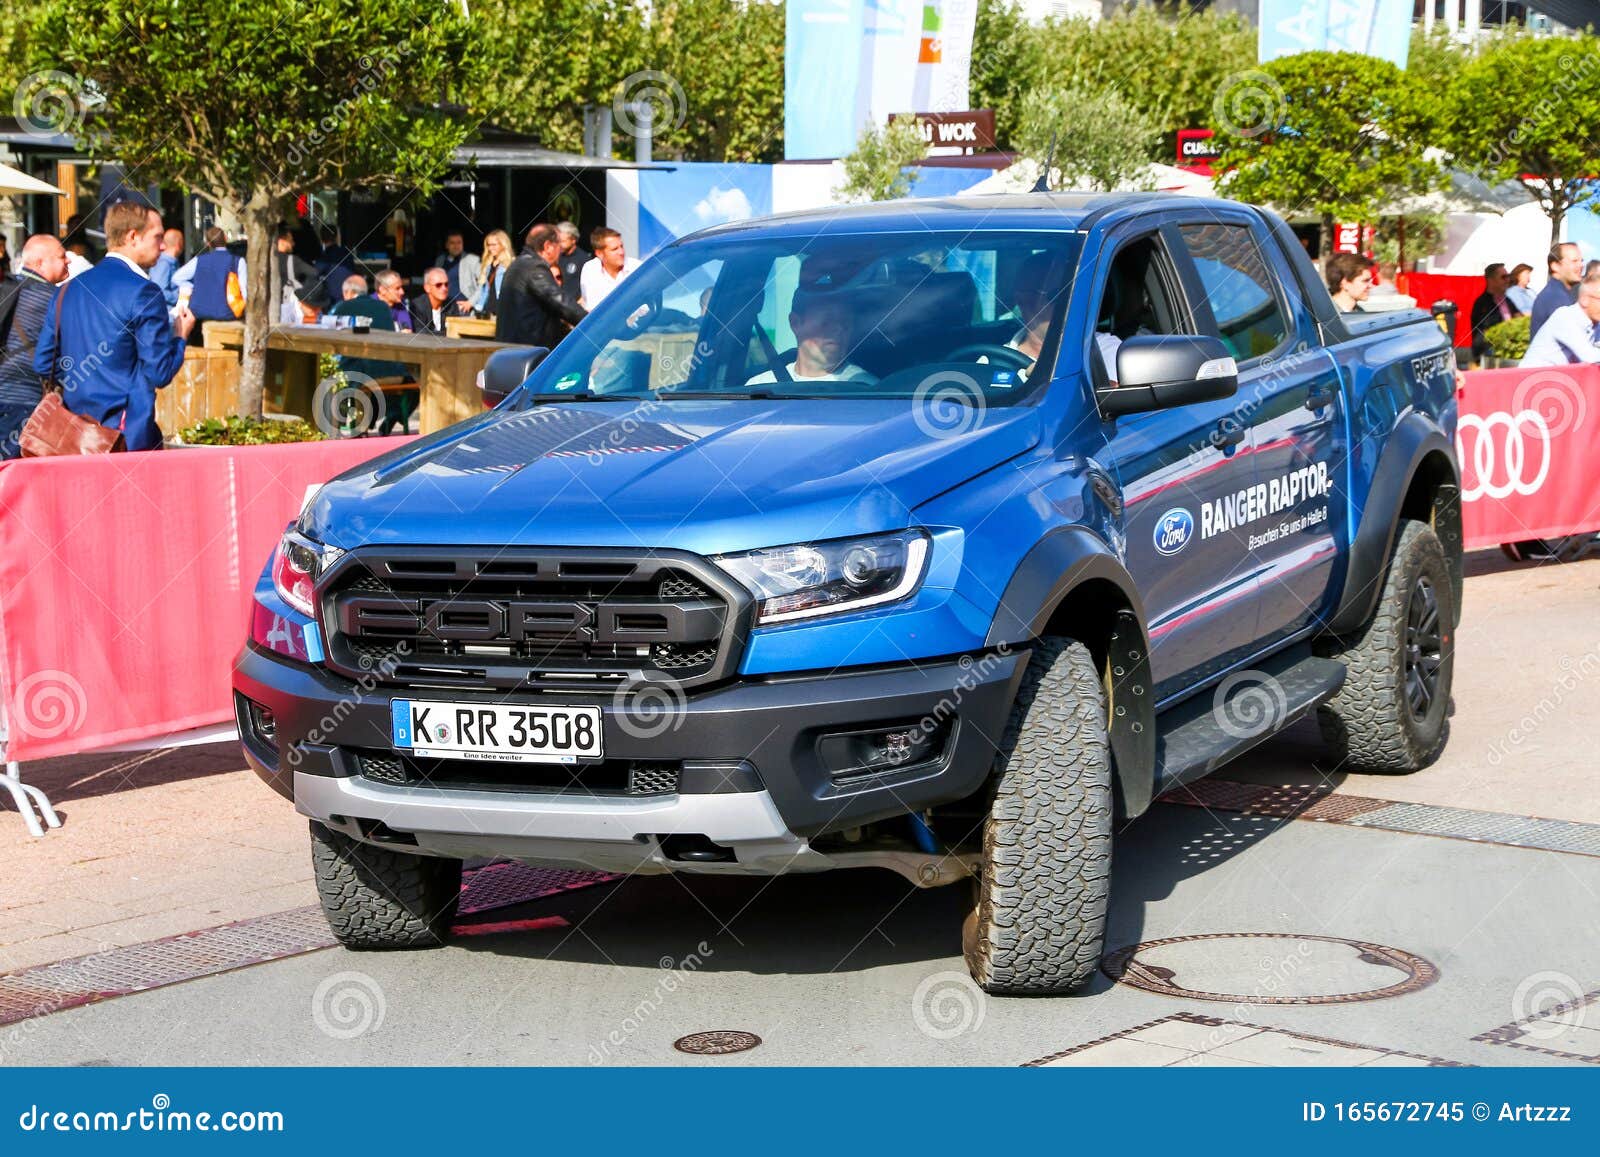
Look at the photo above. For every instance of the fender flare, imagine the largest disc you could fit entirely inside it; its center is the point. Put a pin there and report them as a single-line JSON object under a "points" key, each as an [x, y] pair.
{"points": [[1414, 438], [1071, 562]]}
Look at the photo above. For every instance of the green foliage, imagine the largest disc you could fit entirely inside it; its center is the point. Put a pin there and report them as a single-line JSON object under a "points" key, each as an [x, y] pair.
{"points": [[1530, 105], [876, 170], [1336, 134], [244, 99], [236, 431], [1509, 339], [1424, 236], [1102, 139], [711, 69], [1169, 65]]}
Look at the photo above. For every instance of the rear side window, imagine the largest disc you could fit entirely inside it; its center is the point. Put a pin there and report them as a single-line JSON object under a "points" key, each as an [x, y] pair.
{"points": [[1238, 288]]}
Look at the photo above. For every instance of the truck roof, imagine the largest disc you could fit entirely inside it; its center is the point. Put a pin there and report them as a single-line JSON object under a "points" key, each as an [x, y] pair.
{"points": [[1054, 211]]}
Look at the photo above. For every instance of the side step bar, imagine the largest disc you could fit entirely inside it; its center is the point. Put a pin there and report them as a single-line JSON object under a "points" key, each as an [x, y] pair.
{"points": [[1204, 732]]}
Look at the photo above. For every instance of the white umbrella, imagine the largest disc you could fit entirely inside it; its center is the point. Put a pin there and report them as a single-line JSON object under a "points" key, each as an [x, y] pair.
{"points": [[16, 181]]}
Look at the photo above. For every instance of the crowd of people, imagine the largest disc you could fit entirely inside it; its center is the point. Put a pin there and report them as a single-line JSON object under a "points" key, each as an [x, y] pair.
{"points": [[1563, 317], [107, 335]]}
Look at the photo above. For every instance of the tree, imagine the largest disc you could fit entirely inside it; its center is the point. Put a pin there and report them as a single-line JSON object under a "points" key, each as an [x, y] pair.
{"points": [[254, 102], [545, 61], [727, 56], [1337, 134], [876, 171], [1102, 140], [1530, 108]]}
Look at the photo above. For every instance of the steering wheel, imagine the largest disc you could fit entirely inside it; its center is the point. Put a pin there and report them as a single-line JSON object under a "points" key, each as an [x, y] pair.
{"points": [[1003, 354]]}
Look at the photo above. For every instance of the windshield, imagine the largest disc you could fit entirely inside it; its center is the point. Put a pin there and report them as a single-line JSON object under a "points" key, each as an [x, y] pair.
{"points": [[883, 315]]}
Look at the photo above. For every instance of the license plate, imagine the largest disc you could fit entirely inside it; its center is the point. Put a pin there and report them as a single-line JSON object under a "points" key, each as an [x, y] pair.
{"points": [[501, 732]]}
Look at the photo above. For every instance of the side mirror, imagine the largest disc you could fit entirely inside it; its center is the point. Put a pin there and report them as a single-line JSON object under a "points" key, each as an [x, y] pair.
{"points": [[507, 369], [1158, 372]]}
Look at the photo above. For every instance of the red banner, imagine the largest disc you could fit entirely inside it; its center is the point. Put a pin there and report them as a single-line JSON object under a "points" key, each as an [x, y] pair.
{"points": [[126, 579], [1529, 444], [1428, 288]]}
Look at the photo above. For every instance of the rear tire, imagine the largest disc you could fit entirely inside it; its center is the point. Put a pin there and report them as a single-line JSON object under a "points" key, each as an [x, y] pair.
{"points": [[378, 898], [1038, 925], [1392, 714]]}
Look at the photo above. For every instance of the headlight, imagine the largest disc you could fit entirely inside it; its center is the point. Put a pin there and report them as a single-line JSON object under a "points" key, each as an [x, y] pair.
{"points": [[825, 578], [296, 568]]}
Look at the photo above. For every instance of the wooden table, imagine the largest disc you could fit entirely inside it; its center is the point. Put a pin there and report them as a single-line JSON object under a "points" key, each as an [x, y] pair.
{"points": [[469, 326], [447, 367]]}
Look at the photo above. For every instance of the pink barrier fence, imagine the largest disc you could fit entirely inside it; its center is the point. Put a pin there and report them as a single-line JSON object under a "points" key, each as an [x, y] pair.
{"points": [[125, 581]]}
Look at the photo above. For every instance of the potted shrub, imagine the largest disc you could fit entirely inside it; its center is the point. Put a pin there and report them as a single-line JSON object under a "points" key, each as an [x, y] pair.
{"points": [[1508, 342]]}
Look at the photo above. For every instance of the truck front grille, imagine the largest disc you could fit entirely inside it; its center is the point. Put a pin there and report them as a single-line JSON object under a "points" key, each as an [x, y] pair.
{"points": [[532, 619]]}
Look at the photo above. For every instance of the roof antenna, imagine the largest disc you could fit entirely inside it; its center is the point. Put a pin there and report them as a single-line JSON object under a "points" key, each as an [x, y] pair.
{"points": [[1042, 185]]}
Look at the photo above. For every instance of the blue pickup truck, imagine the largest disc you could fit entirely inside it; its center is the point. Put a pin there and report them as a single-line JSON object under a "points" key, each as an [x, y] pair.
{"points": [[937, 536]]}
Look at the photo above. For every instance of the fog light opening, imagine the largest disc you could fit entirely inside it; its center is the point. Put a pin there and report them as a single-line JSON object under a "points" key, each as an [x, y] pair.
{"points": [[695, 849], [848, 755]]}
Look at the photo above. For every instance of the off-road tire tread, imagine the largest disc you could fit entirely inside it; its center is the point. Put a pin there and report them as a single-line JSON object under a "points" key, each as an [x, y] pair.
{"points": [[1040, 918], [377, 898], [1368, 726]]}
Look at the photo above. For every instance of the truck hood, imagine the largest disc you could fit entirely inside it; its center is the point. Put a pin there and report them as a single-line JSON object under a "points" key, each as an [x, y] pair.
{"points": [[708, 476]]}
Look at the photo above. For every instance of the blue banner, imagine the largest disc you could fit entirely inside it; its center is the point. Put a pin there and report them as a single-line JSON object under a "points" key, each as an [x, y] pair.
{"points": [[1380, 28], [676, 201], [821, 76]]}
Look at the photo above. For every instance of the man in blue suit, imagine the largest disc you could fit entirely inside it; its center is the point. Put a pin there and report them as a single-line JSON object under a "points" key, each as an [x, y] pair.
{"points": [[109, 341]]}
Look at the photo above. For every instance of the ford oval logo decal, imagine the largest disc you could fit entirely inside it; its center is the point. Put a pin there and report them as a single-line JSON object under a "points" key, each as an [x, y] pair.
{"points": [[1174, 529]]}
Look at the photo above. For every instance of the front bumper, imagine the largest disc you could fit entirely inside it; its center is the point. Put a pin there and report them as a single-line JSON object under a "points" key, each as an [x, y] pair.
{"points": [[751, 777]]}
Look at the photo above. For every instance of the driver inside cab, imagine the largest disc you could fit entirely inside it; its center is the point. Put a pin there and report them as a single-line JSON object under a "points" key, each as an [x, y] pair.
{"points": [[822, 330]]}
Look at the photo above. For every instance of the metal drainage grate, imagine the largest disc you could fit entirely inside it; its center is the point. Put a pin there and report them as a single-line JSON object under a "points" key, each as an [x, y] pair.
{"points": [[1486, 827], [118, 971], [717, 1042], [1317, 803], [1560, 1031]]}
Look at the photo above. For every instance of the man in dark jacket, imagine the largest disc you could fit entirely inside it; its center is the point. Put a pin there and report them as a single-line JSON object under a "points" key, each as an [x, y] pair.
{"points": [[1491, 307], [44, 266], [430, 307], [533, 310]]}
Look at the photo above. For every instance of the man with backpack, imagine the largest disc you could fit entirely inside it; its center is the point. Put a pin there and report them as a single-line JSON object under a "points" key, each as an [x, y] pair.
{"points": [[217, 278], [25, 306]]}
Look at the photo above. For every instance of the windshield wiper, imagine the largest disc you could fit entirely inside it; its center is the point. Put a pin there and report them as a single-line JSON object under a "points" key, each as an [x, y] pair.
{"points": [[583, 396], [758, 395]]}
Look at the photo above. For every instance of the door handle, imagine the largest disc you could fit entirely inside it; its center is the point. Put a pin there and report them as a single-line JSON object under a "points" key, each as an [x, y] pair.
{"points": [[1106, 492], [1319, 397], [1228, 434]]}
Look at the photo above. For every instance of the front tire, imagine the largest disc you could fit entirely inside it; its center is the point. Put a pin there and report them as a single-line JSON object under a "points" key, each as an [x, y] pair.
{"points": [[1039, 922], [1392, 714], [377, 898]]}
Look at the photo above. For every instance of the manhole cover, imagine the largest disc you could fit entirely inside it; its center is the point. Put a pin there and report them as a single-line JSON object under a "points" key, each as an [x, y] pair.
{"points": [[716, 1042], [1270, 968]]}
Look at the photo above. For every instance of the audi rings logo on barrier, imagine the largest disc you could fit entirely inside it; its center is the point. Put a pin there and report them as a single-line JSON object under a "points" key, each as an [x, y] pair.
{"points": [[1509, 454]]}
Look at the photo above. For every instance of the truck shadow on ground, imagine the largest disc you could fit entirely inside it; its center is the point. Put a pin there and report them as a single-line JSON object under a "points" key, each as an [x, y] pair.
{"points": [[73, 777], [849, 922]]}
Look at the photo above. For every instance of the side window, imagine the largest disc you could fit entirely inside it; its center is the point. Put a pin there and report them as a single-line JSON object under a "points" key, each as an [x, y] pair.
{"points": [[1239, 288], [1139, 297]]}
